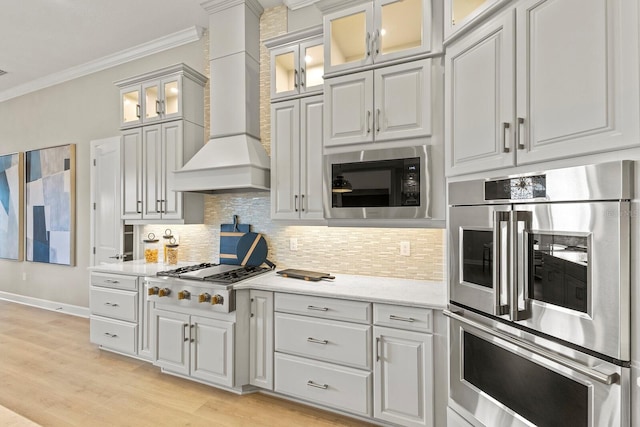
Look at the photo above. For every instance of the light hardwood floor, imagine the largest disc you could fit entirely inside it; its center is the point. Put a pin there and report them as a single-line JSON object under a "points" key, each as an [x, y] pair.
{"points": [[51, 374]]}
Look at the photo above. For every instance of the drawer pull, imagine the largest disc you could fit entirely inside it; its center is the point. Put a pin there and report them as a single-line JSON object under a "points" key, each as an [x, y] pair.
{"points": [[322, 386], [377, 349], [111, 304], [402, 319], [316, 341], [111, 335], [112, 281], [313, 307]]}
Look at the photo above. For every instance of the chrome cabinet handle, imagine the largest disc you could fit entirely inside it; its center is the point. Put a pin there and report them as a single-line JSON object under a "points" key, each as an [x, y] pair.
{"points": [[158, 107], [158, 209], [164, 108], [376, 41], [322, 386], [111, 304], [368, 121], [601, 377], [317, 341], [138, 110], [112, 281], [116, 256], [302, 202], [193, 335], [377, 349], [313, 307], [139, 206], [377, 120], [295, 203], [368, 42], [111, 335], [400, 318], [295, 78], [505, 147], [302, 77], [519, 139], [184, 332]]}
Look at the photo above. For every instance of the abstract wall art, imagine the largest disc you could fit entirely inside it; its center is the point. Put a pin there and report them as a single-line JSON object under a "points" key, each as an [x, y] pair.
{"points": [[11, 206], [51, 200]]}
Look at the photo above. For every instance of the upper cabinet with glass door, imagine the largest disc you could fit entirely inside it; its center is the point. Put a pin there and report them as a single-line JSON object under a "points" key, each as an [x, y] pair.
{"points": [[297, 63], [158, 96], [370, 33], [461, 14]]}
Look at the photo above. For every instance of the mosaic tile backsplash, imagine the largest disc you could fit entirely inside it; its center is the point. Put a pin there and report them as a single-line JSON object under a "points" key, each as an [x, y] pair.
{"points": [[365, 251]]}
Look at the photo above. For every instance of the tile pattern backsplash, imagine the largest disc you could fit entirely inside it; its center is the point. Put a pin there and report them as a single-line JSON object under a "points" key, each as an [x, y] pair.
{"points": [[366, 251]]}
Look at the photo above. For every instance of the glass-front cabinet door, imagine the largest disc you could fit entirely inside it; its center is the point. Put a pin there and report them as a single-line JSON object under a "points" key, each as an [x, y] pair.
{"points": [[402, 28], [152, 106], [460, 13], [311, 65], [348, 38], [297, 69], [285, 79], [130, 106], [171, 97]]}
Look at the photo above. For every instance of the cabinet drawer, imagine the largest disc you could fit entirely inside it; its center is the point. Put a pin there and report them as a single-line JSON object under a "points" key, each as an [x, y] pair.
{"points": [[328, 308], [323, 383], [114, 281], [113, 334], [114, 303], [330, 340], [402, 317]]}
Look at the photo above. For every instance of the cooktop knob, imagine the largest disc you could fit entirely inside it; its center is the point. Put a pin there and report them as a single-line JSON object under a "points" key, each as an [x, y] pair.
{"points": [[164, 292], [217, 299], [184, 295], [204, 297], [154, 290]]}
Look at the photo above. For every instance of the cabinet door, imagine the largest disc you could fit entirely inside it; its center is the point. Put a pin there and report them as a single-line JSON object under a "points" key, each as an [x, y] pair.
{"points": [[172, 159], [403, 101], [459, 14], [311, 137], [171, 98], [311, 66], [261, 339], [151, 102], [348, 117], [151, 171], [348, 38], [403, 377], [285, 76], [130, 106], [577, 74], [131, 170], [479, 99], [285, 160], [212, 350], [145, 320], [172, 341], [402, 28]]}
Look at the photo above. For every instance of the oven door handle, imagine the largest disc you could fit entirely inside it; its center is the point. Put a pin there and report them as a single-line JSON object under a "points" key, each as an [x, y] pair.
{"points": [[519, 303], [594, 374], [501, 269]]}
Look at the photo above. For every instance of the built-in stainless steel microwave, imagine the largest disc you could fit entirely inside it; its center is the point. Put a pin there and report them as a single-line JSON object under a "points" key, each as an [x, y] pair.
{"points": [[377, 184]]}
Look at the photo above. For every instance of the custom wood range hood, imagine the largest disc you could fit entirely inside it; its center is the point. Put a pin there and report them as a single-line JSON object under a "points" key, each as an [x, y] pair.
{"points": [[234, 159]]}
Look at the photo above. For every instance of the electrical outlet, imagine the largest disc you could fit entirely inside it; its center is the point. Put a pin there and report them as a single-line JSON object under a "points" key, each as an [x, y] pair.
{"points": [[293, 244], [405, 248]]}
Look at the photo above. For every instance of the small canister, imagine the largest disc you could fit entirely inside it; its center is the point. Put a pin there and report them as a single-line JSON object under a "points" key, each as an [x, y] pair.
{"points": [[151, 248], [166, 240], [172, 252]]}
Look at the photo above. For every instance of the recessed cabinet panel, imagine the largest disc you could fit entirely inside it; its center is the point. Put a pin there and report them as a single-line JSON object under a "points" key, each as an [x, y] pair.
{"points": [[212, 350], [172, 341], [285, 170]]}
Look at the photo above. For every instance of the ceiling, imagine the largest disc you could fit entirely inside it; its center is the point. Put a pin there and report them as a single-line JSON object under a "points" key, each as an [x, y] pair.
{"points": [[41, 40]]}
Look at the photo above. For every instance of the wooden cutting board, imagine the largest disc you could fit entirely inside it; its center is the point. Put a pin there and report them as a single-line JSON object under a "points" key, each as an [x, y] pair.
{"points": [[312, 276]]}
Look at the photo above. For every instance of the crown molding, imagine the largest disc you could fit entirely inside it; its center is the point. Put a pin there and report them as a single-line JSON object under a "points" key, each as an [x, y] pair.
{"points": [[170, 41], [213, 6], [298, 4]]}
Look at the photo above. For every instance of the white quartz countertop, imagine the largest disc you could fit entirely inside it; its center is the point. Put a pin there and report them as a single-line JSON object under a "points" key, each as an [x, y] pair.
{"points": [[421, 293], [137, 267]]}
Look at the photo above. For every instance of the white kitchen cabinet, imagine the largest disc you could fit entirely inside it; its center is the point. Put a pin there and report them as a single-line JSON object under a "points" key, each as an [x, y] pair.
{"points": [[149, 156], [296, 166], [375, 32], [114, 315], [194, 346], [403, 365], [261, 339], [167, 94], [296, 67], [544, 80], [385, 104], [145, 324], [461, 15]]}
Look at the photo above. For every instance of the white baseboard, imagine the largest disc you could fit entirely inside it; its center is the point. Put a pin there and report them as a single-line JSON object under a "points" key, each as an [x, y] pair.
{"points": [[73, 310]]}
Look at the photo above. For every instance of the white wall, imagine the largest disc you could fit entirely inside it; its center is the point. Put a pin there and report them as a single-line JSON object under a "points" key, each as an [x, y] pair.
{"points": [[76, 112]]}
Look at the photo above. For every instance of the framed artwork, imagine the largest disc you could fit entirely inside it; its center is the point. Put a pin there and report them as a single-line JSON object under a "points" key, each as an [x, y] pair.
{"points": [[12, 206], [51, 204]]}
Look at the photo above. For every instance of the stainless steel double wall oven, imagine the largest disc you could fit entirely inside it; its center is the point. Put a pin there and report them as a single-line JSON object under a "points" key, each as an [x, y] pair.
{"points": [[540, 297]]}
